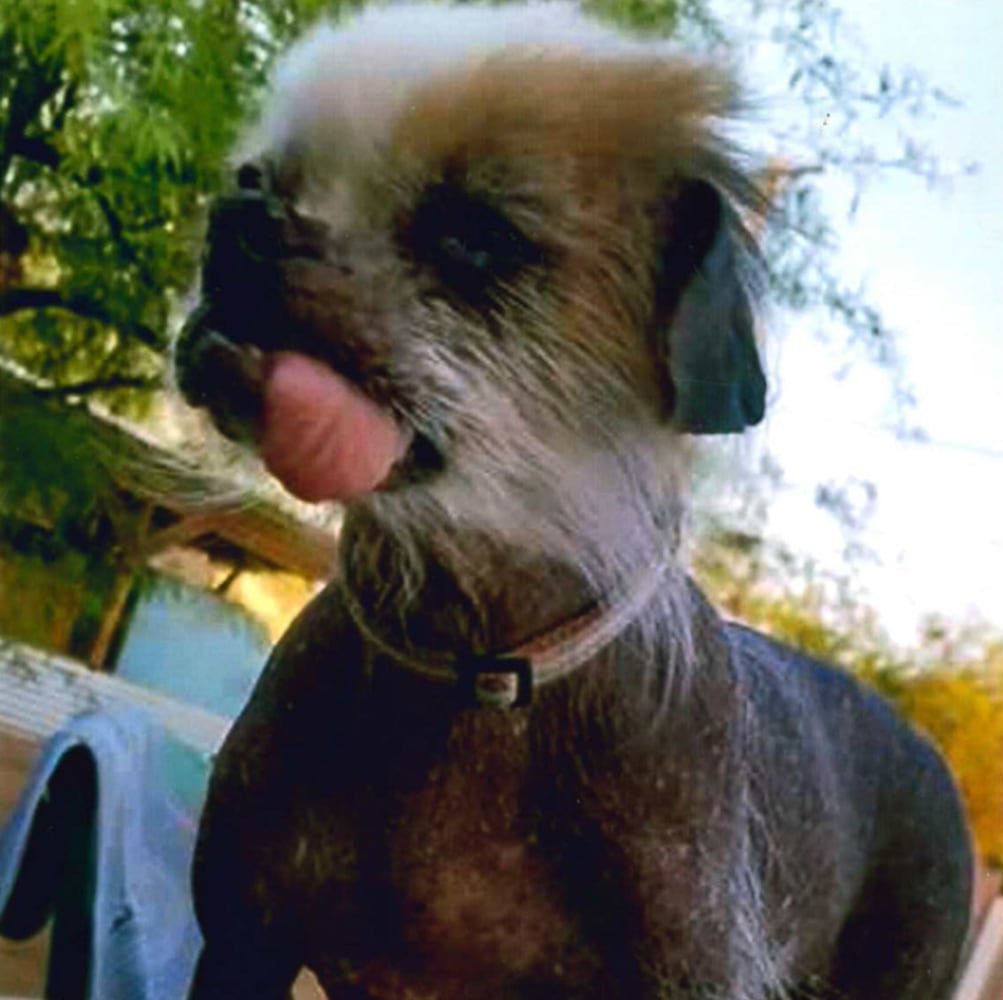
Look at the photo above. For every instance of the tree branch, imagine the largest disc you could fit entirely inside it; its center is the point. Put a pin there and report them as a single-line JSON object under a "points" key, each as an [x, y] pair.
{"points": [[37, 150], [88, 386], [117, 232], [29, 95], [17, 300]]}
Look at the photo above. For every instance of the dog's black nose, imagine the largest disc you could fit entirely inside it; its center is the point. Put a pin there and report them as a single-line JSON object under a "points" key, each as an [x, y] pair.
{"points": [[241, 276], [245, 225], [252, 176], [245, 228]]}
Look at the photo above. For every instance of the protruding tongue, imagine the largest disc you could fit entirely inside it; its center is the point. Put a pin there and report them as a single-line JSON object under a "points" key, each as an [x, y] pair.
{"points": [[321, 436]]}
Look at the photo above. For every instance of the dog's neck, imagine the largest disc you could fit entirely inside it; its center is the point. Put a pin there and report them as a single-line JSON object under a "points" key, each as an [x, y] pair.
{"points": [[456, 593]]}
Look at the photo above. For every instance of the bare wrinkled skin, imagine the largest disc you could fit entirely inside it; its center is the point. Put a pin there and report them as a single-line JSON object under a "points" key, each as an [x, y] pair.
{"points": [[481, 274]]}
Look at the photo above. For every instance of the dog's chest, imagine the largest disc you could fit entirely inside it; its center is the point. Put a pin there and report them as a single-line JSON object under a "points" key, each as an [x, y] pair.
{"points": [[459, 891], [479, 907]]}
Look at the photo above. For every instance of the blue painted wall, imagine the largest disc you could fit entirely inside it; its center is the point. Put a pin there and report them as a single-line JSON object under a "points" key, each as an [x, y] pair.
{"points": [[192, 645]]}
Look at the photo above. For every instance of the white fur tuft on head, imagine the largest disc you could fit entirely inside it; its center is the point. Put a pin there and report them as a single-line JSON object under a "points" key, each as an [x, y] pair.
{"points": [[354, 78]]}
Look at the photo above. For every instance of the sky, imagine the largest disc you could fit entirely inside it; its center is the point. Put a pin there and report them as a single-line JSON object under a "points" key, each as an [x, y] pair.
{"points": [[932, 261]]}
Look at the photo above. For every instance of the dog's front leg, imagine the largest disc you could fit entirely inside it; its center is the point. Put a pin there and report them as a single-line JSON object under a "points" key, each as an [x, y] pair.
{"points": [[275, 830], [246, 953], [246, 970]]}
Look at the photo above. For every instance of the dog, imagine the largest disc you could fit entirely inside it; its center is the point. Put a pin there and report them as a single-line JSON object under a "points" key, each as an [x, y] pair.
{"points": [[481, 274]]}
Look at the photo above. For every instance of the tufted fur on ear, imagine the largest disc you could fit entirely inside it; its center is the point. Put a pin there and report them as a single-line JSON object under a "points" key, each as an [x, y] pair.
{"points": [[709, 273]]}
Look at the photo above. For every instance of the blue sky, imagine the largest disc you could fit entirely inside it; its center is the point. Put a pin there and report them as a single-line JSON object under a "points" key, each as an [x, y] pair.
{"points": [[932, 261]]}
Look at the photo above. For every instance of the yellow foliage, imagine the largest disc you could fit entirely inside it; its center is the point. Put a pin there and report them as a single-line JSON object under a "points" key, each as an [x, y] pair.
{"points": [[274, 598], [962, 712]]}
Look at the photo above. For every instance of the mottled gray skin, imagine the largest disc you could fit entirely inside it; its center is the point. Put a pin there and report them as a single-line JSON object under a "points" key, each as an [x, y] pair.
{"points": [[363, 824]]}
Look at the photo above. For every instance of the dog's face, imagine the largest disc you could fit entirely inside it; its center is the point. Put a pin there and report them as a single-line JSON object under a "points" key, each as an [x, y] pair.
{"points": [[478, 257]]}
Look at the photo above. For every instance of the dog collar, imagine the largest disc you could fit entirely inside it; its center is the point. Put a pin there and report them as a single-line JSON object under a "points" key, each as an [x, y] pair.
{"points": [[507, 680]]}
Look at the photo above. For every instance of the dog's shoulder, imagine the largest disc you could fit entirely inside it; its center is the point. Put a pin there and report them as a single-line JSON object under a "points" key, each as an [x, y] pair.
{"points": [[295, 730], [794, 692], [305, 693], [767, 658], [318, 665], [783, 679]]}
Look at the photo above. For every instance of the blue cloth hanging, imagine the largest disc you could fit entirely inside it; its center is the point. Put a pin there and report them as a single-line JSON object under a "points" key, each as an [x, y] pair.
{"points": [[101, 841]]}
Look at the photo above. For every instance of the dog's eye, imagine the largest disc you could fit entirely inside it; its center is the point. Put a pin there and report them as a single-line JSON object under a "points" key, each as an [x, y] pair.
{"points": [[472, 246]]}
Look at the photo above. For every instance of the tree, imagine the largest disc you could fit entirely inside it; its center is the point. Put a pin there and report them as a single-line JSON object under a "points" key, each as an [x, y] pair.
{"points": [[115, 116], [115, 119]]}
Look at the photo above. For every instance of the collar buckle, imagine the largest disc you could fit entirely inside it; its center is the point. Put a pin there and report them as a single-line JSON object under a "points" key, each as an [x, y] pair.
{"points": [[486, 681]]}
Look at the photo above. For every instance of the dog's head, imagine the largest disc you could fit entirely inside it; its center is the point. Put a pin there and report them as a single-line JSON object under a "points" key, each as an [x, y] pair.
{"points": [[479, 253]]}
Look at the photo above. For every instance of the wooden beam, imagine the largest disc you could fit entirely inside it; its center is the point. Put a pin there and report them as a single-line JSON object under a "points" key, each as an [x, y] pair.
{"points": [[983, 975]]}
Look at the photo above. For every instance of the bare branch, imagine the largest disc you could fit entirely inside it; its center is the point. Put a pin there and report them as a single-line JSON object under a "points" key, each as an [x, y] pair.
{"points": [[30, 94], [89, 386], [37, 150]]}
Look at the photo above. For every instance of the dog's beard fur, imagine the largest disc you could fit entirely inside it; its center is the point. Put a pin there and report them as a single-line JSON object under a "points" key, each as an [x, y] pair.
{"points": [[550, 459]]}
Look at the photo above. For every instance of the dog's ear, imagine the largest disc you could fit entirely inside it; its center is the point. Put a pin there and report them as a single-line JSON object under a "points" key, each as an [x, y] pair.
{"points": [[706, 275]]}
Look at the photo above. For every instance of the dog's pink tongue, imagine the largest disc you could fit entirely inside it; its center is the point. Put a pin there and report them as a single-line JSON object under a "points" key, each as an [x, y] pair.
{"points": [[322, 437]]}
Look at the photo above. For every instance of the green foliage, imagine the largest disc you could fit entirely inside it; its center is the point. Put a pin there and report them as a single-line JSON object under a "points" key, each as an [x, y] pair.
{"points": [[115, 116], [48, 465], [52, 597], [115, 120], [655, 17]]}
